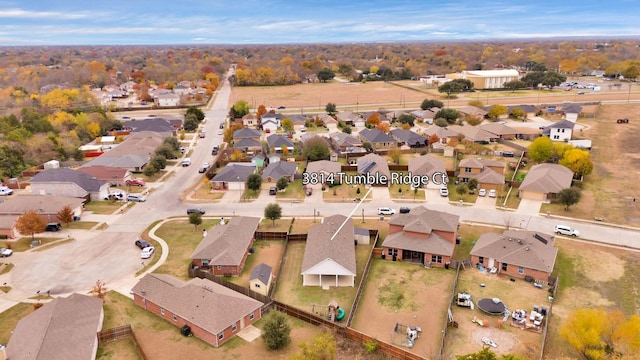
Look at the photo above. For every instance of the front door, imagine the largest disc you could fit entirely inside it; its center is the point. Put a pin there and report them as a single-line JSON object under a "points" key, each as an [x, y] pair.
{"points": [[491, 261]]}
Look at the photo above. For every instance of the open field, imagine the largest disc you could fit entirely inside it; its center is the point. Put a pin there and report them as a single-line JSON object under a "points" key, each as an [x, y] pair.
{"points": [[409, 294], [289, 287], [516, 295]]}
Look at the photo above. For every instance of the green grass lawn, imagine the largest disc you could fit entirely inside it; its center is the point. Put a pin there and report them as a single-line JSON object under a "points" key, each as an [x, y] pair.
{"points": [[404, 191], [276, 226], [80, 225], [102, 207], [182, 239], [513, 201], [250, 195], [24, 243], [10, 317], [293, 191]]}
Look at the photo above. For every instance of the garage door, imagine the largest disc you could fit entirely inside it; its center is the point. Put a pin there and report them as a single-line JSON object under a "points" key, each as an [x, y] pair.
{"points": [[531, 195]]}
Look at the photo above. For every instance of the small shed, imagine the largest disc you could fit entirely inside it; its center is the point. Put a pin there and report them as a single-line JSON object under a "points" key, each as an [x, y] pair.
{"points": [[361, 236], [52, 164], [260, 280]]}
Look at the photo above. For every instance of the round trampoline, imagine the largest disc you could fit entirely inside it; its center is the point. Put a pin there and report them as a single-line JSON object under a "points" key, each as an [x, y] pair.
{"points": [[492, 306]]}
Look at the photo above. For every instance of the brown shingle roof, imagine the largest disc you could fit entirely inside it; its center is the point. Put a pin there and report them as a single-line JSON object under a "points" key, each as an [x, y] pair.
{"points": [[519, 248], [547, 178], [202, 302], [320, 246], [426, 165], [227, 244], [63, 329], [433, 245], [427, 220], [48, 203], [324, 166], [372, 164]]}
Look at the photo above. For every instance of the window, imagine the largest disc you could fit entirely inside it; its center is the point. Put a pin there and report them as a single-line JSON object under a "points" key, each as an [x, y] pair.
{"points": [[520, 270], [465, 180], [161, 311], [481, 259], [205, 262], [219, 267], [395, 252], [234, 327], [467, 169], [251, 316], [436, 259], [175, 318], [220, 336], [504, 266], [257, 285], [556, 137], [390, 252]]}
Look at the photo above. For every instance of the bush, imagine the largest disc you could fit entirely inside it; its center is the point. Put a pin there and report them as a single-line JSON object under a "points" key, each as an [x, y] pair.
{"points": [[370, 346]]}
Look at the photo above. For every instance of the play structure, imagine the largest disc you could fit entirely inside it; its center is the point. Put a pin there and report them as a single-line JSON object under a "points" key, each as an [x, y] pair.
{"points": [[534, 320], [465, 300], [333, 311], [404, 335], [492, 306]]}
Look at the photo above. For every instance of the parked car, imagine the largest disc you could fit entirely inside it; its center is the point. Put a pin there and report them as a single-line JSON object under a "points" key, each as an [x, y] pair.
{"points": [[492, 193], [221, 125], [4, 191], [566, 230], [147, 252], [273, 190], [215, 150], [482, 192], [202, 135], [136, 198], [195, 210], [135, 182], [404, 210], [53, 227], [141, 243], [115, 196], [219, 132], [444, 192], [281, 107], [386, 211], [202, 170], [186, 162], [4, 252], [303, 129]]}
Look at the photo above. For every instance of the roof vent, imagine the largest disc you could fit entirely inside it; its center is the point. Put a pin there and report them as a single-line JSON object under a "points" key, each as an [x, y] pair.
{"points": [[143, 292], [510, 239], [526, 249], [519, 241]]}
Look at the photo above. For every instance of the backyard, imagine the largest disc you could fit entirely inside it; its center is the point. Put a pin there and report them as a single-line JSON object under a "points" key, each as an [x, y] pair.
{"points": [[400, 292]]}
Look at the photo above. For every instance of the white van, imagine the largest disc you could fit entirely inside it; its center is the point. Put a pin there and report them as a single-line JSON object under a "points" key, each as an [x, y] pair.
{"points": [[566, 230], [386, 211], [186, 162]]}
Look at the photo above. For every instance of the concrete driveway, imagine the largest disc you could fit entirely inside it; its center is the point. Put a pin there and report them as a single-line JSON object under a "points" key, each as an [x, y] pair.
{"points": [[485, 202], [433, 197], [529, 207]]}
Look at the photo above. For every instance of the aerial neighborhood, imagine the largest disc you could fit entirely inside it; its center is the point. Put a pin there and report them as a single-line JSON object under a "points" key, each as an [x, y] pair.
{"points": [[212, 219]]}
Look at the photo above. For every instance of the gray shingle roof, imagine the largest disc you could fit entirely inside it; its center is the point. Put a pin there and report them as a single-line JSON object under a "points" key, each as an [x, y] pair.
{"points": [[408, 136], [372, 164], [427, 219], [277, 140], [64, 175], [202, 302], [261, 272], [235, 172], [320, 246], [376, 136], [324, 166], [63, 329], [246, 143], [246, 133], [227, 244], [48, 203], [547, 178], [427, 165], [279, 169], [519, 248]]}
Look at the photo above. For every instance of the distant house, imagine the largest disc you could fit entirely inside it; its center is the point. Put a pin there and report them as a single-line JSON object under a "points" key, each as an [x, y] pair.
{"points": [[65, 328], [233, 176], [165, 100], [136, 149], [528, 110], [473, 134], [325, 170], [270, 126], [375, 165], [487, 79], [71, 183], [341, 141], [277, 141], [246, 133], [211, 312], [261, 278], [329, 122], [281, 169], [277, 118], [422, 236], [425, 116], [473, 111], [299, 121], [559, 131], [571, 112], [431, 166], [113, 175], [330, 255], [500, 131], [409, 138], [250, 121], [247, 140], [225, 248], [379, 140], [160, 126], [442, 133], [489, 173], [47, 206], [349, 117], [516, 253], [544, 182]]}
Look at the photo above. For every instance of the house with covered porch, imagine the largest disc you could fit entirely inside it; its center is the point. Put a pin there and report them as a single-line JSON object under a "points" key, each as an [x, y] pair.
{"points": [[422, 236]]}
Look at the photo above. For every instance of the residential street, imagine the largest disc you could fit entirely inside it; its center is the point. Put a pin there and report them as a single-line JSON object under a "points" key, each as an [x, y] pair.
{"points": [[109, 255]]}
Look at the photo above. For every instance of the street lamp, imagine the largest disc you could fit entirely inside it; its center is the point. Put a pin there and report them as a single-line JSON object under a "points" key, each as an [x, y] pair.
{"points": [[363, 215]]}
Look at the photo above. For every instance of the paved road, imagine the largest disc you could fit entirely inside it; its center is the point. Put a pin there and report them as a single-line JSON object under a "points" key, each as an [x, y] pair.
{"points": [[109, 254]]}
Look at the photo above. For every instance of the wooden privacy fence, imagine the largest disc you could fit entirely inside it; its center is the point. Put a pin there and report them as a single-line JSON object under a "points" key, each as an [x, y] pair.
{"points": [[271, 235], [235, 287], [383, 347], [373, 236], [116, 333]]}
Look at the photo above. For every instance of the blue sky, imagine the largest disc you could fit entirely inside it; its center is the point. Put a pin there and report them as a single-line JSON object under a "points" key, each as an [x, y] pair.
{"points": [[83, 22]]}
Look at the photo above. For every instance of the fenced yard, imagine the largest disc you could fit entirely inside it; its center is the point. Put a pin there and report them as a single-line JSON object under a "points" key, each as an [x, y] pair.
{"points": [[409, 294]]}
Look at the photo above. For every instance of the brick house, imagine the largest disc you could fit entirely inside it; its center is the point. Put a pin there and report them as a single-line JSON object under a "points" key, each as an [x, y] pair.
{"points": [[225, 248], [47, 206], [422, 236], [544, 181], [516, 253], [379, 140], [213, 313], [489, 173]]}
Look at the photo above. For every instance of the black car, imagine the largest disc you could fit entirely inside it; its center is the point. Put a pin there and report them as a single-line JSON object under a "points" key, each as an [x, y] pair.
{"points": [[53, 227], [221, 125], [404, 210], [195, 210], [142, 243], [202, 170]]}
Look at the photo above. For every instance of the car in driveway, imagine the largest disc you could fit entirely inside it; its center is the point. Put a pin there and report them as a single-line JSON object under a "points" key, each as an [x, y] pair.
{"points": [[136, 182], [53, 227], [116, 195], [136, 198], [405, 210], [4, 191], [566, 230], [141, 243], [309, 191], [492, 193], [195, 211], [273, 190], [482, 192], [147, 252], [386, 211], [444, 192], [4, 252]]}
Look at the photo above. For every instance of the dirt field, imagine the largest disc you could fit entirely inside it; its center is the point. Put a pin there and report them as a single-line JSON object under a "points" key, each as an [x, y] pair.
{"points": [[409, 294], [268, 252], [516, 295]]}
